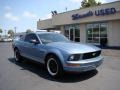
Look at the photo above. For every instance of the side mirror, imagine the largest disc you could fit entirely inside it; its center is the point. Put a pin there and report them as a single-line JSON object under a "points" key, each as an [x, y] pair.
{"points": [[34, 41]]}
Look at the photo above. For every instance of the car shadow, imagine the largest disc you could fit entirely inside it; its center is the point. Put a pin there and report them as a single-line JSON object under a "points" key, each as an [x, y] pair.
{"points": [[40, 70]]}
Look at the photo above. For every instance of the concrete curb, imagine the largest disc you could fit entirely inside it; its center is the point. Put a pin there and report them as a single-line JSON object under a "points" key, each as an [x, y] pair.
{"points": [[111, 52]]}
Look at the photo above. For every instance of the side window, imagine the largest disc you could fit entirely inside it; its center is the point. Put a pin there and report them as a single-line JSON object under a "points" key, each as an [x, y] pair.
{"points": [[22, 37], [33, 36], [29, 37]]}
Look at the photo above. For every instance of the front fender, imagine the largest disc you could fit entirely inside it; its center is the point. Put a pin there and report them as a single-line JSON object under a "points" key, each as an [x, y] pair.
{"points": [[58, 54]]}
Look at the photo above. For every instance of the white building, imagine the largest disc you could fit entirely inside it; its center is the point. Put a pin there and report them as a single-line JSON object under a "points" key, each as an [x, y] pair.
{"points": [[99, 25]]}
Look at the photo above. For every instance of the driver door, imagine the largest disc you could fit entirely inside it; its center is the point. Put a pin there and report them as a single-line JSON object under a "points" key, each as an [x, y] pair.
{"points": [[32, 50]]}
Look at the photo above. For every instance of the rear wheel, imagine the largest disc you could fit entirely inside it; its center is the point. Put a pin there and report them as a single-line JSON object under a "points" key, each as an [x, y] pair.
{"points": [[17, 55], [54, 66]]}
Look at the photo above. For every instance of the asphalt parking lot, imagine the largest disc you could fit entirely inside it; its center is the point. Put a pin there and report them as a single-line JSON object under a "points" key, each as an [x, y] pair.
{"points": [[31, 76]]}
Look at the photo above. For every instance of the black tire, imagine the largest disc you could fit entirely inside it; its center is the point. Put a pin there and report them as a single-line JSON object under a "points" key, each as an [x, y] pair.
{"points": [[17, 56], [54, 66]]}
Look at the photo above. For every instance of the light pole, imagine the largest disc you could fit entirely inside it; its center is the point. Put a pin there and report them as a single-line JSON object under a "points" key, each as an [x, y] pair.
{"points": [[66, 9], [5, 33]]}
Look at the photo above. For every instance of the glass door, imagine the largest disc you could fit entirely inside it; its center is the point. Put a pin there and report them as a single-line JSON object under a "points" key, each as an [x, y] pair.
{"points": [[72, 33]]}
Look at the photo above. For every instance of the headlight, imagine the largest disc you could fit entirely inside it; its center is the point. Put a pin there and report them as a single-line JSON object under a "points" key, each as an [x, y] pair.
{"points": [[71, 57], [74, 57]]}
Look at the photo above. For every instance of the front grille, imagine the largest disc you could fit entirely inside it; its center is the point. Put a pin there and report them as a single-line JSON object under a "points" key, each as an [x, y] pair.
{"points": [[91, 55]]}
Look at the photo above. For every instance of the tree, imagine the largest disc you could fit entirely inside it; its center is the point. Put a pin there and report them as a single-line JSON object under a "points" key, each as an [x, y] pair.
{"points": [[0, 32], [89, 3], [28, 31], [11, 32]]}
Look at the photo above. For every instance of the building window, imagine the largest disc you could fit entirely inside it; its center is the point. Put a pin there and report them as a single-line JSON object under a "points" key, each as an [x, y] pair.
{"points": [[72, 32], [97, 33]]}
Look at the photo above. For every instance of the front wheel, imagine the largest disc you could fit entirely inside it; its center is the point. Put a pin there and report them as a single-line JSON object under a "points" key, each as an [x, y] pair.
{"points": [[54, 66]]}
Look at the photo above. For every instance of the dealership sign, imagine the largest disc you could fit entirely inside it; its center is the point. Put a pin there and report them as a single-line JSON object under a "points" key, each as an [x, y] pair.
{"points": [[101, 12]]}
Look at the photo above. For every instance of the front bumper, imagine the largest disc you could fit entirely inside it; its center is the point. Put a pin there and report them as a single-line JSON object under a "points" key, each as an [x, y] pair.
{"points": [[83, 65]]}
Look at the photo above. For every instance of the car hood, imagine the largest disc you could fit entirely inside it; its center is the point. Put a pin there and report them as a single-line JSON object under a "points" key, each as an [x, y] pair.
{"points": [[72, 47]]}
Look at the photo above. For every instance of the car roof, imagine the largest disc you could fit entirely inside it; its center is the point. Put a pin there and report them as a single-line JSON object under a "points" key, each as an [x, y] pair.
{"points": [[41, 33], [45, 33]]}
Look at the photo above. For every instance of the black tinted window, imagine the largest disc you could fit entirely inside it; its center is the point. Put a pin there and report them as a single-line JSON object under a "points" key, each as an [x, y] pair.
{"points": [[22, 37], [29, 37]]}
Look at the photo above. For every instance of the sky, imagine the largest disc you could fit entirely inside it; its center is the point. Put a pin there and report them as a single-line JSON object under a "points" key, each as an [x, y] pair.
{"points": [[24, 14]]}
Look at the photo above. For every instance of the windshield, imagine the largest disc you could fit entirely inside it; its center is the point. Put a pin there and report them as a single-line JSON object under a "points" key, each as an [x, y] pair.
{"points": [[52, 37]]}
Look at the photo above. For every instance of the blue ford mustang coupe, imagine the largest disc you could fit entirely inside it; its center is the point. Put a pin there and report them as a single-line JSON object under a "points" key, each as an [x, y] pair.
{"points": [[57, 53]]}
